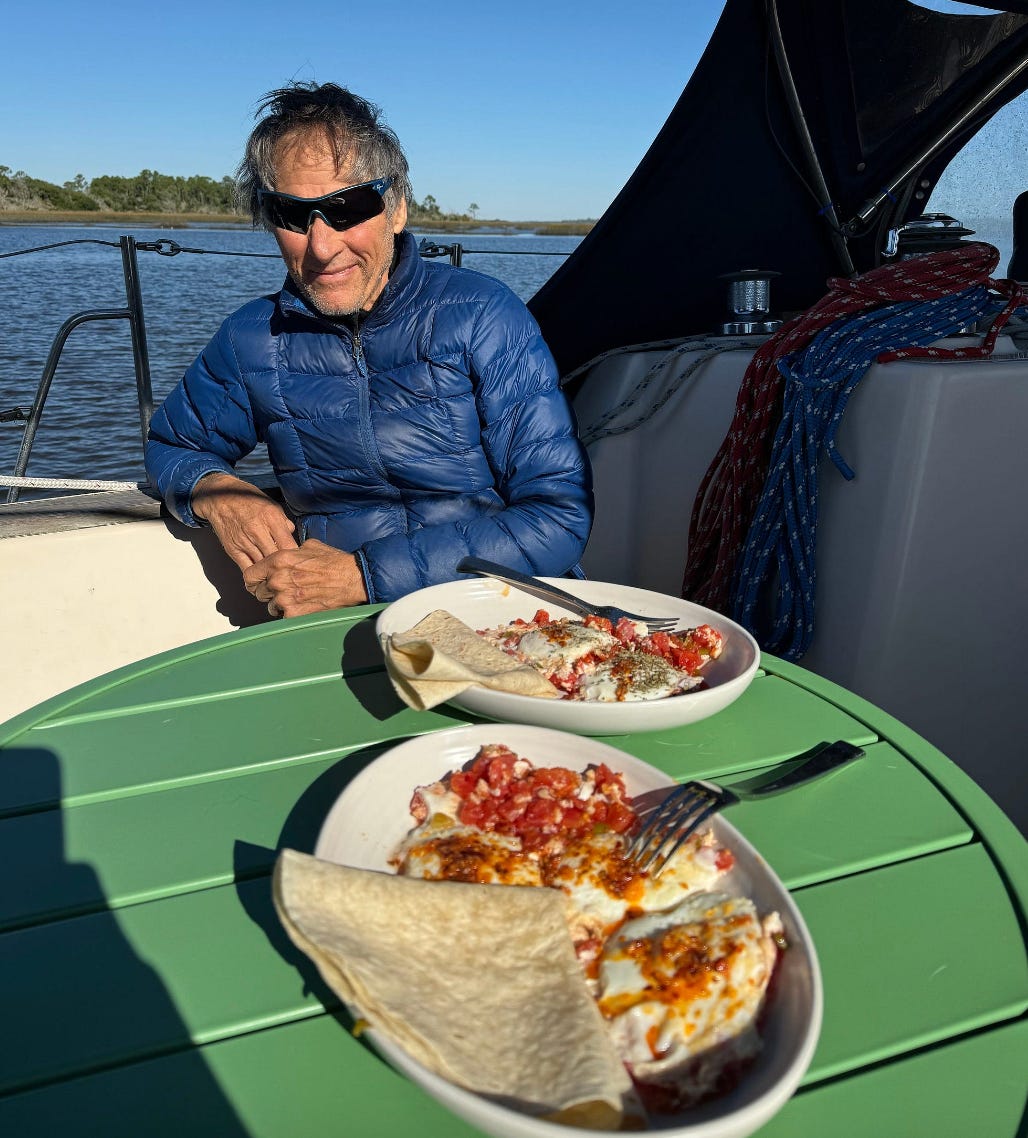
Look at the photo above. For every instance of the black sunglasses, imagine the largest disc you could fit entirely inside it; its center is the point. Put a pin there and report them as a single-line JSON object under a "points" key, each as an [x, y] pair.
{"points": [[341, 209]]}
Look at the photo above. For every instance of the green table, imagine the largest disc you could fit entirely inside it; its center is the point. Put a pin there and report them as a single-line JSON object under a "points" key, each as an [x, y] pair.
{"points": [[147, 988]]}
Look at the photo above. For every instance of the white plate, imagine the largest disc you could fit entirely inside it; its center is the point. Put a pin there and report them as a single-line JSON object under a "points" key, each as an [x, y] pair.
{"points": [[371, 816], [483, 602]]}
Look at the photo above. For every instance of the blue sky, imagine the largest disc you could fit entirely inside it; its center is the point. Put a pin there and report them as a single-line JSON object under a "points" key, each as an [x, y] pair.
{"points": [[532, 110]]}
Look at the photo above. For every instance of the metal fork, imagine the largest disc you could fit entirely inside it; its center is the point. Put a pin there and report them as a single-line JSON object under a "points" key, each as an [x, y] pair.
{"points": [[688, 806], [551, 593]]}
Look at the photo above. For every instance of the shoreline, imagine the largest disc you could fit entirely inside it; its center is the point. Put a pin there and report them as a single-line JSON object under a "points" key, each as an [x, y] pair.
{"points": [[107, 218]]}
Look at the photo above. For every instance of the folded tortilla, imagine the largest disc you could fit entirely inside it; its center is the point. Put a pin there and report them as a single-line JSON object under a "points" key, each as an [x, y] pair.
{"points": [[479, 983], [442, 656]]}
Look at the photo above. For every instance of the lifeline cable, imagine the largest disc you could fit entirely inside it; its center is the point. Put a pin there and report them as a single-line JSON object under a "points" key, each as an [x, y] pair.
{"points": [[731, 489]]}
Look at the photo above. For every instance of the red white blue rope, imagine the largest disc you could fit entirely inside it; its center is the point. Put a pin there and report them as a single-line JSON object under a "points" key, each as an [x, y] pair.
{"points": [[754, 526]]}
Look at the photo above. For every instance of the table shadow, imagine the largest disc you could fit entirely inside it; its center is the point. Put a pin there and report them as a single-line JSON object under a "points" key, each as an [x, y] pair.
{"points": [[300, 832], [127, 1066]]}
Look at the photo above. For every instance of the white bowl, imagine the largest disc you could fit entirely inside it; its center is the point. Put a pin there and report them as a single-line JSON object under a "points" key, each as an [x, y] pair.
{"points": [[483, 602], [371, 816]]}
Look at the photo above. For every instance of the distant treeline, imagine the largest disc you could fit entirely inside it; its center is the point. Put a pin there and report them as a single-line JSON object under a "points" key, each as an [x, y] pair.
{"points": [[147, 192], [152, 192]]}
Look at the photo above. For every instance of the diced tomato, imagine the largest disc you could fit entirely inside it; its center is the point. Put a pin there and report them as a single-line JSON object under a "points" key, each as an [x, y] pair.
{"points": [[501, 771], [609, 783], [707, 638], [657, 643], [575, 818], [478, 814], [543, 812], [625, 631], [536, 804], [687, 659], [620, 818], [600, 622], [563, 782], [541, 617], [463, 782], [724, 859], [513, 806], [480, 766]]}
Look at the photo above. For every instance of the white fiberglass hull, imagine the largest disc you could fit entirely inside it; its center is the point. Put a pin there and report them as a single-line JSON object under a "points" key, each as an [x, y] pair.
{"points": [[921, 603]]}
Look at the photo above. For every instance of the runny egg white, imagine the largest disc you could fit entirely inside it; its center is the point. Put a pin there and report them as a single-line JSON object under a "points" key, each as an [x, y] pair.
{"points": [[681, 990], [559, 645], [634, 675], [603, 888]]}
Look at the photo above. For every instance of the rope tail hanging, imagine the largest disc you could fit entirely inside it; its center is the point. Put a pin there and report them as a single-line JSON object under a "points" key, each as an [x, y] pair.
{"points": [[754, 520]]}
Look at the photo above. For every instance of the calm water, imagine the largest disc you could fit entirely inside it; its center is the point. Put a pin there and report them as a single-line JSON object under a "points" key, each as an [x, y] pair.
{"points": [[90, 428]]}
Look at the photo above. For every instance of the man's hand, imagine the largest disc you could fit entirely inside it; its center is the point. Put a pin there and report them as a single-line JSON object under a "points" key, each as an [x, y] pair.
{"points": [[248, 523], [312, 578]]}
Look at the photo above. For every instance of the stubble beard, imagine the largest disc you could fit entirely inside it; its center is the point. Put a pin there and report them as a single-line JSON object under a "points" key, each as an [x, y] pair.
{"points": [[337, 310]]}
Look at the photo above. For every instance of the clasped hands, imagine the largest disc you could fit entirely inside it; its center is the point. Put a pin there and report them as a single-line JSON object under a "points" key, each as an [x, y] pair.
{"points": [[257, 534]]}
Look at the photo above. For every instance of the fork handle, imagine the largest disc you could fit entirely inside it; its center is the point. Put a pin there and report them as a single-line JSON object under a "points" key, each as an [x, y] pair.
{"points": [[527, 584], [827, 759]]}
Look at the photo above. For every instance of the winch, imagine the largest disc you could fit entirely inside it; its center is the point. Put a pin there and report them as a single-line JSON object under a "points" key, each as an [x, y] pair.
{"points": [[925, 234], [749, 302]]}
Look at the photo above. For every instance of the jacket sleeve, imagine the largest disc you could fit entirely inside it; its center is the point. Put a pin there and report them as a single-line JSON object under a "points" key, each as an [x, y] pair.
{"points": [[541, 469], [205, 424]]}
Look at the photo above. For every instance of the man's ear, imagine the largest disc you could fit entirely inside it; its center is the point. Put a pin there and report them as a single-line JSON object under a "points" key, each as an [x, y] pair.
{"points": [[400, 215]]}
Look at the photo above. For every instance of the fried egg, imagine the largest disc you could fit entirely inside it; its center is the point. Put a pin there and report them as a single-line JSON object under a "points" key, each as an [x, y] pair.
{"points": [[603, 888], [633, 675], [443, 850], [559, 645], [681, 990]]}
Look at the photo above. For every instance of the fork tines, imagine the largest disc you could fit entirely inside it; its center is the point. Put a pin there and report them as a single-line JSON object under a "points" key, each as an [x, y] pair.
{"points": [[665, 830], [653, 623], [662, 623]]}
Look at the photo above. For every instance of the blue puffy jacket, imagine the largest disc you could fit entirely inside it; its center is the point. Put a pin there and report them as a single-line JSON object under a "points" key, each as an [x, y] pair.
{"points": [[434, 430]]}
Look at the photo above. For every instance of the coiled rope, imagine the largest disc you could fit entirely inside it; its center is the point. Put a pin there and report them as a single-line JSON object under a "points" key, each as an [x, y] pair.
{"points": [[755, 513], [661, 382]]}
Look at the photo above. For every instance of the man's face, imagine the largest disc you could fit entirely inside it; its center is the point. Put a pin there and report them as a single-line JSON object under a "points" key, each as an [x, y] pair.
{"points": [[337, 273]]}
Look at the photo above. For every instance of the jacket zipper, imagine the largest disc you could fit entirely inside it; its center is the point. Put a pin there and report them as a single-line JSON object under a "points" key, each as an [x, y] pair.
{"points": [[364, 389]]}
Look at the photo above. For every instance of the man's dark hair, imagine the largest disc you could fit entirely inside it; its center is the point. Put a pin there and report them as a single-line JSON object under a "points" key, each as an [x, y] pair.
{"points": [[352, 126]]}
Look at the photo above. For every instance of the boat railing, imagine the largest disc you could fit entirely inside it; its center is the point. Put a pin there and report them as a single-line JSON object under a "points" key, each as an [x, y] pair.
{"points": [[134, 313]]}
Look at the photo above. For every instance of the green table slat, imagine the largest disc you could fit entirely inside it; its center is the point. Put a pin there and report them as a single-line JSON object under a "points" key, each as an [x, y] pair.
{"points": [[976, 1087], [825, 832], [772, 721], [175, 746], [148, 846], [273, 655], [294, 1082], [127, 850], [298, 1080], [161, 747], [1006, 843], [94, 990], [902, 957], [107, 988]]}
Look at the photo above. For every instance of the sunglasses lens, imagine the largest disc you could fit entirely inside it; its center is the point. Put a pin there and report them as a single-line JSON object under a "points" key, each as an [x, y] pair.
{"points": [[341, 210], [282, 214], [357, 204]]}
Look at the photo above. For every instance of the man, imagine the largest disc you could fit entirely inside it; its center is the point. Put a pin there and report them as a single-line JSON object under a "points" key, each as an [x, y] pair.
{"points": [[410, 409]]}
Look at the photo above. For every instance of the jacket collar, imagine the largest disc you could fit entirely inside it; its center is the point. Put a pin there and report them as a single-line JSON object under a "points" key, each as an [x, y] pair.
{"points": [[404, 280]]}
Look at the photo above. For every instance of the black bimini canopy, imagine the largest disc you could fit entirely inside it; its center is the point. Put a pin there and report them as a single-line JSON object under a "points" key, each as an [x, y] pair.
{"points": [[808, 130]]}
